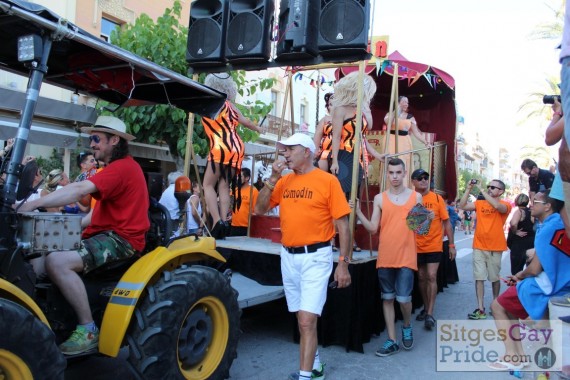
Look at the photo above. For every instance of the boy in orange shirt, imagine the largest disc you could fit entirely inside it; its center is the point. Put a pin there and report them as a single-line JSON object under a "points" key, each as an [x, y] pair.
{"points": [[489, 240], [397, 257]]}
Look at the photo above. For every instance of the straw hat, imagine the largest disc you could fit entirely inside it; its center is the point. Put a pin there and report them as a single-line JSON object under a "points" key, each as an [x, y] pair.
{"points": [[109, 124]]}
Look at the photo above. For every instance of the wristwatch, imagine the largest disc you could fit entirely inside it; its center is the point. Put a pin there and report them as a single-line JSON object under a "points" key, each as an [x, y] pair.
{"points": [[346, 259]]}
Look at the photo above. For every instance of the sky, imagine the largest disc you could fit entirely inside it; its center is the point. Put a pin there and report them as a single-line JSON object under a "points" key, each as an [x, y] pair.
{"points": [[486, 46]]}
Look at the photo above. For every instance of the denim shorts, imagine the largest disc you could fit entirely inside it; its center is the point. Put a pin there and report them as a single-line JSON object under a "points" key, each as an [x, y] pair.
{"points": [[396, 283]]}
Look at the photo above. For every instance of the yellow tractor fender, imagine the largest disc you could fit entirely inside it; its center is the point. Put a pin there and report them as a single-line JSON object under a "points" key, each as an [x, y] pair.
{"points": [[15, 294], [128, 290]]}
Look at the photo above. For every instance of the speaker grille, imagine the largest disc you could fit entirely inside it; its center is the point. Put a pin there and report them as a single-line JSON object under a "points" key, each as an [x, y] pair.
{"points": [[341, 22], [204, 38], [244, 33]]}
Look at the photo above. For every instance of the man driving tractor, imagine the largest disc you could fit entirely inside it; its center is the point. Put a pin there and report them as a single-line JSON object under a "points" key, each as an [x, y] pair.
{"points": [[114, 230]]}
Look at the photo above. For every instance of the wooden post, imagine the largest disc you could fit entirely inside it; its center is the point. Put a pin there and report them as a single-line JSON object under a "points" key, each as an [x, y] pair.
{"points": [[391, 113], [191, 155], [282, 121], [292, 108]]}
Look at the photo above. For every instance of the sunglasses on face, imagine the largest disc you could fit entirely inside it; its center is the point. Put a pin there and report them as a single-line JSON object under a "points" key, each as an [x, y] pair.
{"points": [[94, 138], [422, 178], [493, 187], [535, 202]]}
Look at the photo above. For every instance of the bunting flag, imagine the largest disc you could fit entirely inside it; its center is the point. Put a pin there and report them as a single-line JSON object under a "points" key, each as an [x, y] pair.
{"points": [[428, 78], [415, 79], [314, 79], [412, 76]]}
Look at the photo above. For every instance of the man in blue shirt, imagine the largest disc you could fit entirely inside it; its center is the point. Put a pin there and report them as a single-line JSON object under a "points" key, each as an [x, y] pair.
{"points": [[546, 276]]}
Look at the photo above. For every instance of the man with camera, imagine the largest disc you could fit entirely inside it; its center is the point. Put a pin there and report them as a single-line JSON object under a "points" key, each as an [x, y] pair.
{"points": [[489, 239], [538, 179]]}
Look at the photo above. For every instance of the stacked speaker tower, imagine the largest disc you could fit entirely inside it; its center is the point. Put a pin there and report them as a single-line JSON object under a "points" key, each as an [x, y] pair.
{"points": [[240, 31]]}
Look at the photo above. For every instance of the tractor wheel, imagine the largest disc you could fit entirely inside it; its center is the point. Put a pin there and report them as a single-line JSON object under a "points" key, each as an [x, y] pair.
{"points": [[186, 327], [27, 346]]}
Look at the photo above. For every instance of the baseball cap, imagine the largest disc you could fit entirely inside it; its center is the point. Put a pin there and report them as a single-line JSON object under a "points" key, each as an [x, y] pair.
{"points": [[297, 139], [418, 173]]}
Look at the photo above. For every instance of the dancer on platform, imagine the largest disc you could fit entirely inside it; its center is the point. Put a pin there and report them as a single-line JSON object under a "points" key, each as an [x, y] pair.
{"points": [[406, 124], [225, 155]]}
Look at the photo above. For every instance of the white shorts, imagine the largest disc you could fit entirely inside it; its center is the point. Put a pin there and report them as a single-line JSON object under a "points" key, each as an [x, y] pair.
{"points": [[306, 279]]}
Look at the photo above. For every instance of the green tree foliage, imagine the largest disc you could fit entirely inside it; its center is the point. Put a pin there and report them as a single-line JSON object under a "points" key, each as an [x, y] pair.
{"points": [[55, 161], [164, 42]]}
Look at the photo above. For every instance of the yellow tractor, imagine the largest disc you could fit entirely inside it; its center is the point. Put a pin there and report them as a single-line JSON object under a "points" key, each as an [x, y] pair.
{"points": [[172, 307]]}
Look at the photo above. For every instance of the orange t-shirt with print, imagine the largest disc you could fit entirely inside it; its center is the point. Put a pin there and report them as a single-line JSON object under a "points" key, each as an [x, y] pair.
{"points": [[489, 234], [397, 245], [240, 218], [433, 241], [308, 204]]}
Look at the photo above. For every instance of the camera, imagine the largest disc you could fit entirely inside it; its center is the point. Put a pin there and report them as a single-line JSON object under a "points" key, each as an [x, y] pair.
{"points": [[549, 99], [473, 181]]}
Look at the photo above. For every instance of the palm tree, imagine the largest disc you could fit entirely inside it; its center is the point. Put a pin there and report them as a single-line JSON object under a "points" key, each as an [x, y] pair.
{"points": [[534, 106]]}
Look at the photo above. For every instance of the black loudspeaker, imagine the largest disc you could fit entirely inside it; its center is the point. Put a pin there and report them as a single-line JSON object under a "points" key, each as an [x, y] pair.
{"points": [[298, 29], [248, 32], [155, 184], [343, 27], [206, 32]]}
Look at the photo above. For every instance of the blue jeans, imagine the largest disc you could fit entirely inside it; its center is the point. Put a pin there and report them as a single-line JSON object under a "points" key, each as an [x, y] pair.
{"points": [[396, 283]]}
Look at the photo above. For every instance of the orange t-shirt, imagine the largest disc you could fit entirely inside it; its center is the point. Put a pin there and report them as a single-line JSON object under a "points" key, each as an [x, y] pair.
{"points": [[433, 241], [489, 234], [308, 204], [397, 247], [240, 218]]}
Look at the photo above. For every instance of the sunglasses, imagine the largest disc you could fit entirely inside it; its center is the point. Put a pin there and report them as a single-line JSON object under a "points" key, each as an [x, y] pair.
{"points": [[94, 138], [493, 187], [534, 202], [422, 178]]}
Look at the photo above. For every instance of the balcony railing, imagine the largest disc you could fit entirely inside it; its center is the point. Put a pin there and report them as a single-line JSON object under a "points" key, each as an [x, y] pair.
{"points": [[272, 124]]}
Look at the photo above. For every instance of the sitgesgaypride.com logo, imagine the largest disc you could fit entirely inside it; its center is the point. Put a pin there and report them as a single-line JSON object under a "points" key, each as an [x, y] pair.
{"points": [[469, 345]]}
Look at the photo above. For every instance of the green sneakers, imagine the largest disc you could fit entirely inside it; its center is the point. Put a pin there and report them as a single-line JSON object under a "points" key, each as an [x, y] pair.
{"points": [[477, 314], [81, 340], [316, 374]]}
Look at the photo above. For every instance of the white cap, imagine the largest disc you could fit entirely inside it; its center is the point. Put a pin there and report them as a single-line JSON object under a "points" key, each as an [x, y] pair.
{"points": [[298, 139]]}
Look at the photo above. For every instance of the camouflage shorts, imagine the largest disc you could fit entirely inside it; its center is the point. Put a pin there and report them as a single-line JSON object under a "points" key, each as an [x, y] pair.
{"points": [[103, 248]]}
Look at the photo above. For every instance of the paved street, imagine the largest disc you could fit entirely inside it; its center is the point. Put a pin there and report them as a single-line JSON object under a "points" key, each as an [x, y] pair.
{"points": [[266, 349]]}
